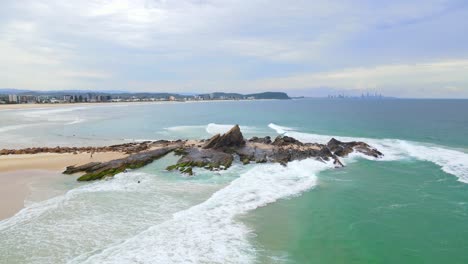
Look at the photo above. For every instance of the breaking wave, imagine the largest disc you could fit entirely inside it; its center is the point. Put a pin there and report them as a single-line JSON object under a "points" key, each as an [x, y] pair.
{"points": [[94, 216], [451, 161], [214, 129], [16, 127], [203, 130], [209, 232]]}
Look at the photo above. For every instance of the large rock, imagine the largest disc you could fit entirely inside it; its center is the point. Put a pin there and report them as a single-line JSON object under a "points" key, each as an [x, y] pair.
{"points": [[99, 170], [285, 141], [233, 138], [343, 149], [265, 140], [212, 141], [212, 159]]}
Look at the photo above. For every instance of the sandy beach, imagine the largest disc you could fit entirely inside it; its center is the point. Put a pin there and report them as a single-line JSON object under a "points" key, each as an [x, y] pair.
{"points": [[52, 161], [35, 106], [18, 172], [18, 186]]}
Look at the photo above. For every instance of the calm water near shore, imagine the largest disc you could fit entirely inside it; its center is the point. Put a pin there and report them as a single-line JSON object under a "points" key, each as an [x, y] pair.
{"points": [[409, 207]]}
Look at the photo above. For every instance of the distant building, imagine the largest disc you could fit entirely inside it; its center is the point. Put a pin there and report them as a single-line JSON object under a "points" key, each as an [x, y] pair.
{"points": [[12, 98], [67, 98], [27, 99]]}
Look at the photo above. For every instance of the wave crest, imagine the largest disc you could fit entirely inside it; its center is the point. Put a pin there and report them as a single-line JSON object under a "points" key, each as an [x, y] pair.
{"points": [[451, 161], [208, 232]]}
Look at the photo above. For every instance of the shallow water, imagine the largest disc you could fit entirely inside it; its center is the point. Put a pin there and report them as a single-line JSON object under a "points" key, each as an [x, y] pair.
{"points": [[409, 207]]}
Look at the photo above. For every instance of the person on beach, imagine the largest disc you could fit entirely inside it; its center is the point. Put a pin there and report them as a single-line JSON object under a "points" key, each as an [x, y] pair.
{"points": [[92, 152]]}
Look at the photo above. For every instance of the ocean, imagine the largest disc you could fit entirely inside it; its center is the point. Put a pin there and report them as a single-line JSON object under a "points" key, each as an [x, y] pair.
{"points": [[411, 206]]}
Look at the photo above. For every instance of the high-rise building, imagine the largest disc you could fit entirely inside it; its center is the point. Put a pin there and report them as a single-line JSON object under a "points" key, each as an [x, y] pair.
{"points": [[13, 98]]}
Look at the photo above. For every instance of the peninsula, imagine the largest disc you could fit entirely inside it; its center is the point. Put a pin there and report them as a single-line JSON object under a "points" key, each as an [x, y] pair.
{"points": [[216, 153]]}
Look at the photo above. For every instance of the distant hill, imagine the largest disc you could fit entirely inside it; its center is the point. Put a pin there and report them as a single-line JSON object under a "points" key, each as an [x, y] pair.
{"points": [[270, 95], [265, 95], [12, 91]]}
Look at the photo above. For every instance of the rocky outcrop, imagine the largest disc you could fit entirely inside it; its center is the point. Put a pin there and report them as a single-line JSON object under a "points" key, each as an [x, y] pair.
{"points": [[233, 138], [265, 140], [128, 148], [217, 153], [343, 149], [285, 141], [211, 159], [98, 170], [283, 149]]}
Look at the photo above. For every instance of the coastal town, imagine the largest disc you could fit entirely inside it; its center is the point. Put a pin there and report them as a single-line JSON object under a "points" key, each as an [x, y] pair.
{"points": [[89, 97]]}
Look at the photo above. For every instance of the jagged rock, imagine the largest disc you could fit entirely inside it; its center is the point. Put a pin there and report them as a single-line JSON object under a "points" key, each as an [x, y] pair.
{"points": [[215, 154], [265, 140], [209, 158], [343, 149], [128, 148], [85, 167], [233, 138], [212, 142], [96, 171], [285, 140]]}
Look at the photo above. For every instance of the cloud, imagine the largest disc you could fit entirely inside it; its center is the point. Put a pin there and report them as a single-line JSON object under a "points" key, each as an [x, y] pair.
{"points": [[226, 45], [436, 79]]}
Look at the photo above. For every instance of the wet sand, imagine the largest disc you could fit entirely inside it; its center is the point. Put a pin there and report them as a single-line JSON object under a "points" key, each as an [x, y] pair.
{"points": [[18, 173], [17, 186], [33, 106], [53, 161]]}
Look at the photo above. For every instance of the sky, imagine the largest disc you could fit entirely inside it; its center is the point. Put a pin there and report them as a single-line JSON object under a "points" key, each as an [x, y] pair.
{"points": [[398, 48]]}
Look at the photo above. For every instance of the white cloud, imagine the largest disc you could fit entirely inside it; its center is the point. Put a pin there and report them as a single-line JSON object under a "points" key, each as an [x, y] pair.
{"points": [[213, 45], [435, 78]]}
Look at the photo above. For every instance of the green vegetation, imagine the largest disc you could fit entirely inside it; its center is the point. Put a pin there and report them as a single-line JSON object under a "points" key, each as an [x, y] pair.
{"points": [[110, 172], [269, 95], [186, 167], [180, 152], [101, 174]]}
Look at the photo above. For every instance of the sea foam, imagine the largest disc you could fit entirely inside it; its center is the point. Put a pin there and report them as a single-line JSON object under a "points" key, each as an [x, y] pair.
{"points": [[209, 232], [16, 127], [214, 129], [451, 161], [92, 217]]}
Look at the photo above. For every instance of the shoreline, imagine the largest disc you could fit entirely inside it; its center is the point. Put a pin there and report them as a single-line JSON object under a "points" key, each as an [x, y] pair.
{"points": [[17, 187], [53, 161], [5, 107], [18, 174]]}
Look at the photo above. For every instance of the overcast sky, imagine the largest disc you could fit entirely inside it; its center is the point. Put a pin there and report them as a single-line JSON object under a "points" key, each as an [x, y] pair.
{"points": [[401, 48]]}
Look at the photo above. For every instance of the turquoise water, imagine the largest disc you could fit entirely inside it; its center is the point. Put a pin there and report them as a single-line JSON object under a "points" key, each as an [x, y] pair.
{"points": [[410, 207]]}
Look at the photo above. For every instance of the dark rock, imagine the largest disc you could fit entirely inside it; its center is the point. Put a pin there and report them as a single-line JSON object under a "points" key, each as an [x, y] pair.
{"points": [[209, 158], [285, 141], [233, 138], [96, 171], [212, 142], [343, 149], [215, 154], [265, 140], [85, 167]]}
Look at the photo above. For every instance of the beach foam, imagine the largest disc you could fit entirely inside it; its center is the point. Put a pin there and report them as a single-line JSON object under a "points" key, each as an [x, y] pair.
{"points": [[202, 131], [76, 121], [57, 115], [96, 215], [451, 161], [15, 127], [209, 232]]}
